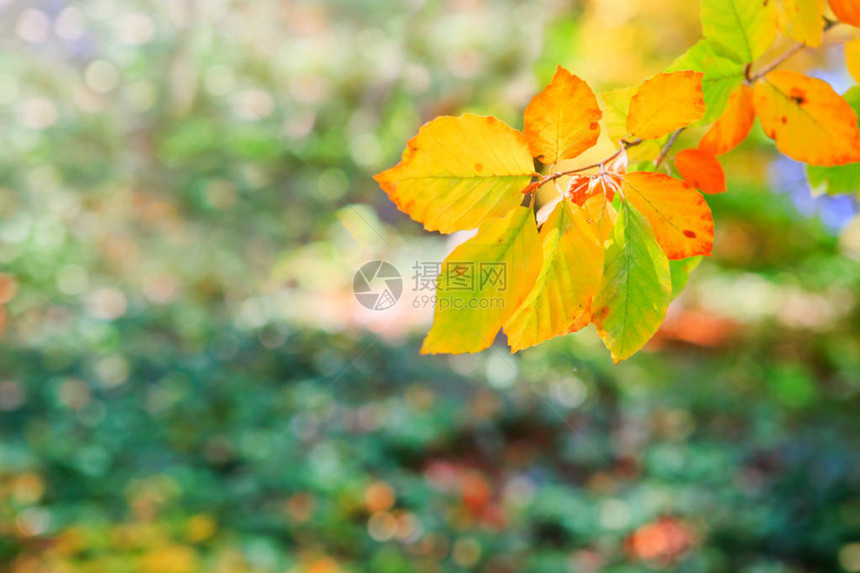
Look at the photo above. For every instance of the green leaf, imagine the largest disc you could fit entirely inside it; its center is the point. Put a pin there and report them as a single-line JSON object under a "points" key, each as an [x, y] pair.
{"points": [[636, 286], [560, 301], [744, 29], [482, 283], [841, 178], [680, 270], [722, 75]]}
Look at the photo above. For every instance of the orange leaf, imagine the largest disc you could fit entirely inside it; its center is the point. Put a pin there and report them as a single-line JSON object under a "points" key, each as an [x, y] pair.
{"points": [[807, 120], [459, 172], [562, 121], [581, 187], [733, 126], [852, 58], [665, 103], [679, 215], [848, 11], [701, 169]]}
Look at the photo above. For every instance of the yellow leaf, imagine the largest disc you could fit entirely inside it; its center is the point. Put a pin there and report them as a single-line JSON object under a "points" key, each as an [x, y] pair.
{"points": [[459, 172], [807, 119], [678, 213], [561, 297], [482, 283], [733, 126], [701, 170], [802, 20], [848, 11], [852, 58], [665, 103], [601, 214], [562, 121]]}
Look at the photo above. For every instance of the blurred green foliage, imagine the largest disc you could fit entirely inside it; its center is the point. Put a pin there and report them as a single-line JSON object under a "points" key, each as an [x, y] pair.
{"points": [[185, 387]]}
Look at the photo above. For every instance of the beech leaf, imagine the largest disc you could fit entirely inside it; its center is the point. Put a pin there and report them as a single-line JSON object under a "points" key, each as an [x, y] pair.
{"points": [[807, 120], [635, 288], [459, 172], [678, 213], [471, 302], [665, 103], [562, 121]]}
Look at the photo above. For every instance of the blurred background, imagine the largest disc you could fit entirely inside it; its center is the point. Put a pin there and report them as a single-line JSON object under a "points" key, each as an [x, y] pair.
{"points": [[188, 384]]}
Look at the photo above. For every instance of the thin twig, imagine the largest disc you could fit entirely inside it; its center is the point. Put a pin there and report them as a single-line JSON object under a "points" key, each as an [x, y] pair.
{"points": [[532, 187], [790, 52], [669, 143]]}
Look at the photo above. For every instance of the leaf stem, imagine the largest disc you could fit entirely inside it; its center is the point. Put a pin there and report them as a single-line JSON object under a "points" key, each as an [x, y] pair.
{"points": [[532, 187], [785, 56]]}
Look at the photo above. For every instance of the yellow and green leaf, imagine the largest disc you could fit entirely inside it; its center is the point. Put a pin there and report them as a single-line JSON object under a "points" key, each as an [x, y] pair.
{"points": [[560, 300], [615, 105], [744, 29], [635, 288], [721, 75], [483, 281], [680, 271]]}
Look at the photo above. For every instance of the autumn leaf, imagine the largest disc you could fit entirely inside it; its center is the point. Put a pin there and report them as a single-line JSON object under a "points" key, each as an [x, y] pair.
{"points": [[615, 105], [472, 303], [459, 172], [665, 103], [701, 169], [839, 178], [847, 11], [680, 271], [560, 299], [562, 121], [581, 187], [733, 126], [744, 29], [807, 120], [800, 20], [600, 213], [678, 213], [721, 75], [635, 288], [852, 58]]}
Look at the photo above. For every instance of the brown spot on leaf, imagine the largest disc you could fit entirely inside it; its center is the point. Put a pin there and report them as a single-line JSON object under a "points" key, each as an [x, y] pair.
{"points": [[797, 96], [479, 167], [689, 233], [784, 119], [594, 125]]}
